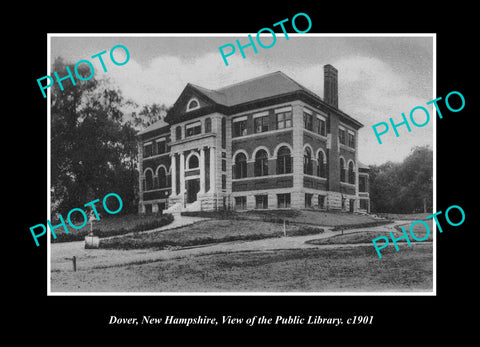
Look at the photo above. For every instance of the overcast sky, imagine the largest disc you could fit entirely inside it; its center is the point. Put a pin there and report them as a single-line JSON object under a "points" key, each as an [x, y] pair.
{"points": [[379, 77]]}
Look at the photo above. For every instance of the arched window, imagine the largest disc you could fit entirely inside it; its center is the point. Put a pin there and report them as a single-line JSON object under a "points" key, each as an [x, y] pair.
{"points": [[193, 162], [284, 161], [240, 166], [148, 179], [208, 125], [193, 105], [351, 173], [307, 161], [261, 163], [162, 177], [342, 170], [178, 133], [322, 167]]}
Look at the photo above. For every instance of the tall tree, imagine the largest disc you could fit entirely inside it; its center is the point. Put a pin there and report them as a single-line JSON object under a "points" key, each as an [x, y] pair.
{"points": [[404, 187], [93, 149]]}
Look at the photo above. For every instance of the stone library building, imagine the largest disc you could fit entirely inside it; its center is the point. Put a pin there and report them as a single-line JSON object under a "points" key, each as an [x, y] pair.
{"points": [[264, 143]]}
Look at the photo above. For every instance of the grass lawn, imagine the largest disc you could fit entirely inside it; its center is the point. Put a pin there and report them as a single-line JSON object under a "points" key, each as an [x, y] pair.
{"points": [[204, 232], [312, 217], [409, 216], [298, 270], [367, 236]]}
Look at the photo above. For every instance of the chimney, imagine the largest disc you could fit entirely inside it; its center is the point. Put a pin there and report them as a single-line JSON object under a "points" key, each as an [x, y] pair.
{"points": [[330, 85]]}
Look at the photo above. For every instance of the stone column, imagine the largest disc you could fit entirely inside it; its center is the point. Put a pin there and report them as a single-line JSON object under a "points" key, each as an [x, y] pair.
{"points": [[202, 171], [297, 199], [173, 174], [212, 170], [182, 175]]}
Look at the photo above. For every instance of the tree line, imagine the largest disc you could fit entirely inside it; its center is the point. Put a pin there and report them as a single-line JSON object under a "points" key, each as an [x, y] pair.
{"points": [[93, 144], [405, 187]]}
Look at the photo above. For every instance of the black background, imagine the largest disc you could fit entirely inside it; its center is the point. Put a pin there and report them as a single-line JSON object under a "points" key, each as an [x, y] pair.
{"points": [[400, 318]]}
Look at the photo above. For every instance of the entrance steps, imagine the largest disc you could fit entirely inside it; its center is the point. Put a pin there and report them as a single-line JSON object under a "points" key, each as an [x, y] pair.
{"points": [[178, 207], [175, 208]]}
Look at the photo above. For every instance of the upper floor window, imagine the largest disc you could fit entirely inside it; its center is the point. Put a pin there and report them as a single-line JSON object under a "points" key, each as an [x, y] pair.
{"points": [[321, 126], [351, 173], [261, 163], [307, 161], [161, 147], [193, 162], [148, 180], [147, 150], [342, 136], [284, 120], [322, 166], [260, 124], [193, 104], [362, 183], [193, 129], [351, 139], [307, 120], [284, 161], [240, 126], [208, 125], [162, 177], [342, 170], [178, 133], [240, 167]]}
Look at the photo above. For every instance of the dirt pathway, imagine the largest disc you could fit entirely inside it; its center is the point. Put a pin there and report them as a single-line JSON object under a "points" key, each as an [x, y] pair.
{"points": [[62, 253]]}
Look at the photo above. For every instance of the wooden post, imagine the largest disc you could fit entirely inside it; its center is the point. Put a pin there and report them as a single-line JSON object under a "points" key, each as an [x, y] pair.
{"points": [[74, 260]]}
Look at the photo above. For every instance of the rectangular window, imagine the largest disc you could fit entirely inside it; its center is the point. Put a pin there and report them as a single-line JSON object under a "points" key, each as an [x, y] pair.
{"points": [[240, 202], [351, 139], [364, 204], [321, 201], [147, 150], [308, 200], [321, 126], [161, 147], [224, 165], [284, 120], [342, 136], [362, 184], [193, 129], [260, 124], [240, 127], [224, 182], [283, 200], [261, 201], [307, 120]]}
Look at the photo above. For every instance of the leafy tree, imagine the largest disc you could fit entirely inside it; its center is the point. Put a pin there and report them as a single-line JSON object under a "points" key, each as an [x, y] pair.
{"points": [[403, 187], [93, 147]]}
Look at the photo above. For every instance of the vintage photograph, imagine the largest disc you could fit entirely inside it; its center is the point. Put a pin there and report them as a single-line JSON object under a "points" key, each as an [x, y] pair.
{"points": [[173, 173]]}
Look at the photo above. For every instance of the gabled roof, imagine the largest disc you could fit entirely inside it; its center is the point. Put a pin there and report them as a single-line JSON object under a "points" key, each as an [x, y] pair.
{"points": [[265, 86], [243, 95]]}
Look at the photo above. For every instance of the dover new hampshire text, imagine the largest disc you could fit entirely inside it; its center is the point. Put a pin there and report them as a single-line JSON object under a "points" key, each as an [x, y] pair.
{"points": [[264, 143]]}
